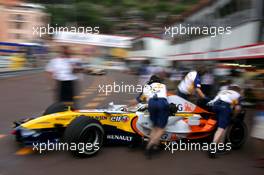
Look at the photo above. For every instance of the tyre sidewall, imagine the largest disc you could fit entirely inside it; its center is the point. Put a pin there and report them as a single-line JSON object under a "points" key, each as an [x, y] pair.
{"points": [[75, 130], [230, 131]]}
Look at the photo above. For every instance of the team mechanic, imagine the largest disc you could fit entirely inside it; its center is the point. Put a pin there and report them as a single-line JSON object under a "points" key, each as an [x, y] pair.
{"points": [[224, 105], [155, 94], [191, 84]]}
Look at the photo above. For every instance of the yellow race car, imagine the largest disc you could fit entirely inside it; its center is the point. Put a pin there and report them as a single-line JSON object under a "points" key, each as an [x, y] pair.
{"points": [[83, 132]]}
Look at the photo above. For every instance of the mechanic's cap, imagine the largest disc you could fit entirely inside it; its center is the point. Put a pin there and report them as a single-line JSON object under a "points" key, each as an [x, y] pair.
{"points": [[201, 69], [154, 79], [235, 87]]}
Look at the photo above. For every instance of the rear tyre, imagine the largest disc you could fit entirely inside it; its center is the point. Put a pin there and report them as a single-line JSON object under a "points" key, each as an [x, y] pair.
{"points": [[237, 134], [87, 134]]}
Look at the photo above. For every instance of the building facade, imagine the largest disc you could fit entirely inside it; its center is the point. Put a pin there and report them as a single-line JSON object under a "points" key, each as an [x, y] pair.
{"points": [[18, 20], [244, 17]]}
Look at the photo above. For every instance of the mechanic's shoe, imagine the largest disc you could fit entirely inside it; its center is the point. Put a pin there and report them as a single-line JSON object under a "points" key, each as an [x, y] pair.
{"points": [[211, 155], [149, 152]]}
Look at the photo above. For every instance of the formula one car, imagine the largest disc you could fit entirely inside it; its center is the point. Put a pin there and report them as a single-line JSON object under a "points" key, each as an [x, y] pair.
{"points": [[94, 71], [119, 124]]}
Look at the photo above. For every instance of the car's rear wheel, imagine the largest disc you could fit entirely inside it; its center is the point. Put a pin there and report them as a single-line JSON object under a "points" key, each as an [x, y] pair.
{"points": [[237, 134], [86, 134], [57, 107]]}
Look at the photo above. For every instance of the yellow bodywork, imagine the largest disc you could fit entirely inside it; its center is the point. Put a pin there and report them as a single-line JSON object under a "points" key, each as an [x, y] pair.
{"points": [[64, 119]]}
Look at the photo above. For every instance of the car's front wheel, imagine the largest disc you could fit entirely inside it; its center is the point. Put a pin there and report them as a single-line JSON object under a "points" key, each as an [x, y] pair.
{"points": [[86, 135]]}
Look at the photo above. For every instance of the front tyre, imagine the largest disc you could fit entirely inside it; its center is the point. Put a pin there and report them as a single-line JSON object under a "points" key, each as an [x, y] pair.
{"points": [[57, 107], [237, 134], [86, 134]]}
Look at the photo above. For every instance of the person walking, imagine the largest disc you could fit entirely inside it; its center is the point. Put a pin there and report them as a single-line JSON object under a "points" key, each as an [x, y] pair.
{"points": [[62, 70]]}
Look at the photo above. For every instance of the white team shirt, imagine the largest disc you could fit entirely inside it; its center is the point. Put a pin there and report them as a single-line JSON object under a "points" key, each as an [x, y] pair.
{"points": [[149, 91], [188, 84], [62, 69], [228, 96]]}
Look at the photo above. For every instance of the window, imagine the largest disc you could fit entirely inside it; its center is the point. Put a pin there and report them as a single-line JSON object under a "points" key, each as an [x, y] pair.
{"points": [[138, 45], [234, 6], [19, 17], [18, 36], [19, 25]]}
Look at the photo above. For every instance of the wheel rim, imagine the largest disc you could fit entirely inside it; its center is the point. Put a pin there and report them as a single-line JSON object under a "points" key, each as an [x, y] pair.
{"points": [[91, 135]]}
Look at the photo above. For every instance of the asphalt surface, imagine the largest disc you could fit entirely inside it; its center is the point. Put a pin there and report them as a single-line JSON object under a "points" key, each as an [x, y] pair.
{"points": [[29, 95]]}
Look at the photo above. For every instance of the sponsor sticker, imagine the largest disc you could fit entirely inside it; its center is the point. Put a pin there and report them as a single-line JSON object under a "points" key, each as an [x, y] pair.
{"points": [[119, 137], [119, 119]]}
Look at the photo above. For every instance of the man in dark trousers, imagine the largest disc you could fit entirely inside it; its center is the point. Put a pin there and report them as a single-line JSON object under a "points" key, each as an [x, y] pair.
{"points": [[62, 70]]}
